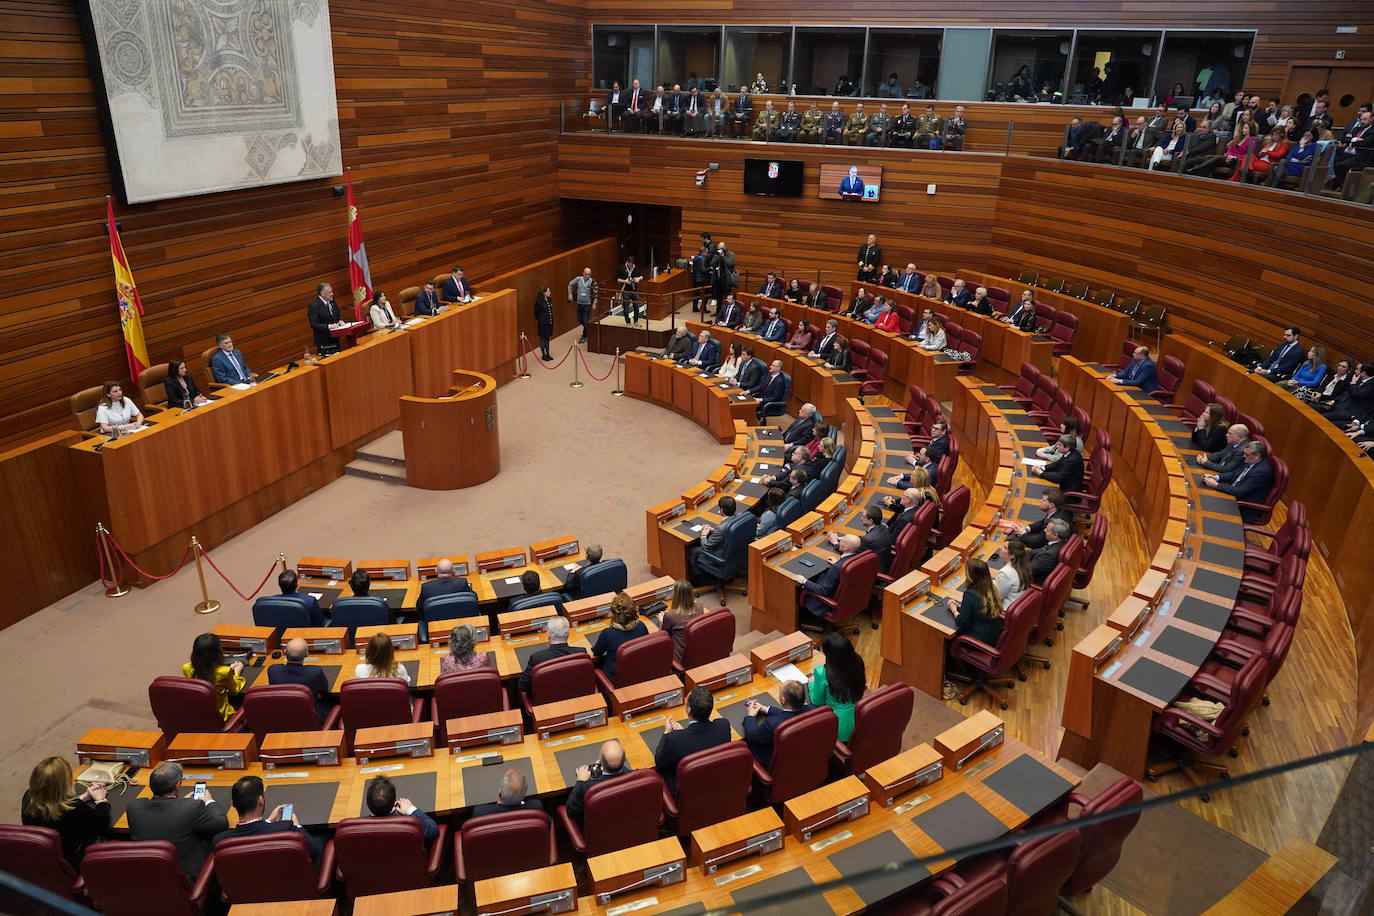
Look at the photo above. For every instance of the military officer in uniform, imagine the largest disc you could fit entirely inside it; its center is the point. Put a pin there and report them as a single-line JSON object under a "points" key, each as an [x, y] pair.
{"points": [[766, 124], [811, 124], [904, 128], [856, 127], [955, 128], [543, 318], [870, 256], [878, 126], [789, 124], [834, 124], [927, 128]]}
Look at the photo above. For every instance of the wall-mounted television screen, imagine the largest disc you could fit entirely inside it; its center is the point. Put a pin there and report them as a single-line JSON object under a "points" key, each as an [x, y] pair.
{"points": [[773, 177], [851, 182]]}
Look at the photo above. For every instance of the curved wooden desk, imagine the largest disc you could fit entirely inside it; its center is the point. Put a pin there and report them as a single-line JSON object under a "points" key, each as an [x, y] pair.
{"points": [[452, 441]]}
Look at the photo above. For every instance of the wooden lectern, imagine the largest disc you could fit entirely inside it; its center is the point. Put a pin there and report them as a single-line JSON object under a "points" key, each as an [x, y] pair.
{"points": [[452, 441]]}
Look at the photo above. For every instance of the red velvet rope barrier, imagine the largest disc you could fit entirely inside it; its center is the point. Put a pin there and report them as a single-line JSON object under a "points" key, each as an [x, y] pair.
{"points": [[143, 572], [117, 576], [593, 375], [231, 584], [529, 348]]}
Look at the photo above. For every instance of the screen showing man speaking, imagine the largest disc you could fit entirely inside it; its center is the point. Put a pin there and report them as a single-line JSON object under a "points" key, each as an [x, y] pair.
{"points": [[851, 182]]}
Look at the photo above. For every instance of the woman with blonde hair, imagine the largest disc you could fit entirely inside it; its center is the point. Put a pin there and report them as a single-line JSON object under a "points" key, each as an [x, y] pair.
{"points": [[1209, 433], [932, 335], [625, 626], [379, 660], [51, 801], [682, 608], [930, 289]]}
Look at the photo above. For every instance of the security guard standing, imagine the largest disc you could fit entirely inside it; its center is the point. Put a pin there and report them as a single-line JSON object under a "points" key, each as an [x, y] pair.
{"points": [[857, 126], [766, 124], [878, 126], [543, 319]]}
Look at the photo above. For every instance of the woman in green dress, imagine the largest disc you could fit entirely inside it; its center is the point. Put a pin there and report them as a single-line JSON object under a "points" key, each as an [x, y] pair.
{"points": [[840, 681]]}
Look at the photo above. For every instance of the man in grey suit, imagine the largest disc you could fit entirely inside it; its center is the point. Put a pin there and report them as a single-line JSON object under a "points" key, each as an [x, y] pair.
{"points": [[1230, 457], [188, 823]]}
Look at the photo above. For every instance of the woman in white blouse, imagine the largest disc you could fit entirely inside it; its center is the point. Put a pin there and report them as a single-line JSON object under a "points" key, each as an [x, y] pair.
{"points": [[1015, 577], [381, 315], [379, 660], [933, 336], [733, 360], [115, 413]]}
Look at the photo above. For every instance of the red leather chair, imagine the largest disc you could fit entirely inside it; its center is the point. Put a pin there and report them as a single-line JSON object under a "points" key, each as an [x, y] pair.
{"points": [[946, 466], [1291, 539], [909, 550], [560, 679], [972, 344], [1052, 591], [1035, 871], [639, 660], [712, 786], [467, 693], [880, 719], [1169, 372], [1101, 844], [1088, 500], [1218, 673], [378, 855], [1042, 401], [946, 283], [1001, 299], [991, 662], [1265, 510], [617, 814], [1064, 330], [35, 855], [906, 317], [269, 868], [953, 332], [367, 702], [1092, 552], [834, 297], [1258, 587], [1228, 408], [858, 356], [502, 844], [1128, 348], [1199, 397], [1044, 316], [874, 374], [1024, 389], [854, 591], [956, 503], [284, 708], [802, 746], [987, 896], [134, 879], [707, 638], [1250, 422], [1060, 409], [185, 704]]}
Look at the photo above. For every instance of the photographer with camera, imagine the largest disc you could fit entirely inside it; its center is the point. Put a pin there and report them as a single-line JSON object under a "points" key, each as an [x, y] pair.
{"points": [[610, 764]]}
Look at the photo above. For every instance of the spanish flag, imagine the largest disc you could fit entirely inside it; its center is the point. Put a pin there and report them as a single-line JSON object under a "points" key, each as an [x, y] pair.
{"points": [[130, 306]]}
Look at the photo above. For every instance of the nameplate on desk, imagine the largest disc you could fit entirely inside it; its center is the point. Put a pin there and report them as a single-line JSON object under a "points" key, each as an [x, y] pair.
{"points": [[646, 722], [632, 906], [671, 514], [225, 760], [381, 769], [538, 625], [133, 756], [295, 774], [469, 758], [976, 542], [831, 840], [737, 875], [916, 802], [979, 767], [405, 641], [571, 739], [322, 756]]}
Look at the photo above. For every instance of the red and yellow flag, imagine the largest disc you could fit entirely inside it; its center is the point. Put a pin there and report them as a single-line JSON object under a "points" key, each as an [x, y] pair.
{"points": [[130, 306], [359, 274]]}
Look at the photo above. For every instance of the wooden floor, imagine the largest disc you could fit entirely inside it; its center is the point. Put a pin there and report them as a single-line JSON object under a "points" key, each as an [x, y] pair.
{"points": [[1313, 700]]}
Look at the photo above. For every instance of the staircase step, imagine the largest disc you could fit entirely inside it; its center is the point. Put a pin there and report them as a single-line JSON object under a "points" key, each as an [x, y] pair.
{"points": [[385, 471], [389, 449]]}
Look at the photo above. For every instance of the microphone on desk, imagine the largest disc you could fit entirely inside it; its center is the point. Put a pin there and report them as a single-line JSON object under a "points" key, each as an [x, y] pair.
{"points": [[112, 437]]}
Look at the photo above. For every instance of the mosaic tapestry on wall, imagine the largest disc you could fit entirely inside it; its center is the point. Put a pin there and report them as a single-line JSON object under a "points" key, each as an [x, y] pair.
{"points": [[212, 95]]}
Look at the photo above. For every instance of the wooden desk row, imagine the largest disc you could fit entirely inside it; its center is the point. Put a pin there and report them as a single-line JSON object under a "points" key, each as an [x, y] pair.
{"points": [[1100, 329]]}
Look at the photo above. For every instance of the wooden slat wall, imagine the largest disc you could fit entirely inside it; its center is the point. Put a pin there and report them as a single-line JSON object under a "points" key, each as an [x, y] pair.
{"points": [[444, 170], [1287, 31]]}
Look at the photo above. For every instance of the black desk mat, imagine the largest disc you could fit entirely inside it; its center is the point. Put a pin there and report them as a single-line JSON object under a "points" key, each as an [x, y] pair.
{"points": [[943, 357], [897, 462], [313, 800], [767, 433], [901, 443], [523, 653], [583, 753], [1030, 512], [1157, 410], [791, 893], [1193, 609], [1005, 403], [418, 787], [997, 562], [504, 589], [959, 821], [1153, 679], [1223, 585], [120, 796], [1221, 555], [1036, 489], [561, 572], [940, 613], [1221, 505], [1028, 784], [394, 597], [1182, 645], [1028, 451], [770, 451], [734, 712], [891, 427], [796, 566], [413, 669], [1223, 528], [686, 528], [480, 783], [324, 595], [882, 413], [843, 378], [879, 867], [750, 490], [255, 672]]}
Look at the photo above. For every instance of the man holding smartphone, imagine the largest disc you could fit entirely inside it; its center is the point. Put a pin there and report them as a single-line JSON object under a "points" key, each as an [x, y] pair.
{"points": [[250, 801], [188, 823]]}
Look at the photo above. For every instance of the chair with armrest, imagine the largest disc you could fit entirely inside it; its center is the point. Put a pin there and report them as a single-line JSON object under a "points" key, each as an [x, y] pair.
{"points": [[1051, 599], [880, 718], [990, 663], [1128, 348], [474, 692], [834, 298], [955, 508], [731, 558], [270, 868], [1250, 422], [1128, 306], [1092, 552], [185, 704], [1201, 394], [875, 374], [641, 659], [1087, 501], [1042, 401], [1044, 317], [802, 746], [83, 406], [560, 679], [1035, 871], [366, 702], [604, 577], [852, 595], [1053, 284], [1064, 330], [444, 611], [1292, 537], [552, 600], [1265, 510], [859, 352], [1218, 673], [906, 317], [1101, 842], [494, 845], [1060, 408], [1228, 408], [811, 495], [150, 385], [1102, 297], [778, 407], [280, 611], [381, 855], [1170, 373], [1254, 616], [972, 344], [1027, 277], [712, 786], [789, 511], [1261, 586], [707, 637], [944, 472], [616, 814], [284, 708], [1077, 290], [133, 879], [34, 854], [407, 302], [909, 549], [211, 382], [356, 611], [1023, 392]]}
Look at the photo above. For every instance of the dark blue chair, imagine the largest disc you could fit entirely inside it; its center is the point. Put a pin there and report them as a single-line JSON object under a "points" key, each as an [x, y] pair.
{"points": [[840, 453], [732, 555], [280, 612], [779, 407], [811, 495], [542, 599], [830, 476], [446, 608], [606, 576], [359, 611], [789, 511]]}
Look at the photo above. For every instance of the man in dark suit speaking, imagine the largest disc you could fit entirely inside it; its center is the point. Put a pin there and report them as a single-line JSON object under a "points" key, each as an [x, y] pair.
{"points": [[323, 316], [682, 741], [852, 185]]}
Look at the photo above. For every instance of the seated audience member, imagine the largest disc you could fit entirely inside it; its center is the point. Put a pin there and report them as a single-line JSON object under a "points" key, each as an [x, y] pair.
{"points": [[427, 301], [877, 537], [1311, 372], [294, 670], [838, 682], [817, 299], [381, 315], [761, 721], [800, 430], [931, 289], [773, 329], [288, 581], [753, 319], [953, 131], [978, 612], [790, 124], [1331, 389], [1068, 425], [1229, 455], [980, 304], [511, 796], [927, 456], [768, 518], [860, 306], [796, 458], [382, 802], [1199, 159], [1358, 400], [932, 335], [751, 370], [462, 654], [1067, 469], [1043, 559], [1015, 576], [1248, 483], [1140, 371], [625, 626], [556, 631], [888, 319], [682, 741], [729, 314], [610, 763], [903, 510], [679, 345], [712, 536], [841, 359], [802, 336], [1033, 535], [180, 386], [1105, 147], [189, 824], [1355, 148], [1284, 359], [445, 582], [80, 818], [1022, 316], [771, 286], [888, 277], [227, 365], [379, 660], [829, 579], [705, 354], [958, 295], [771, 388], [826, 345], [115, 413], [1269, 155], [794, 292], [249, 798], [572, 586], [1075, 140], [682, 607], [207, 664], [360, 583], [1299, 157], [1175, 146], [821, 456], [1209, 432]]}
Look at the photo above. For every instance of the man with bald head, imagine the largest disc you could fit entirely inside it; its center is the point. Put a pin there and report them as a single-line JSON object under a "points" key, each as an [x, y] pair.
{"points": [[1230, 456], [445, 582], [296, 671], [610, 763], [510, 796], [829, 579]]}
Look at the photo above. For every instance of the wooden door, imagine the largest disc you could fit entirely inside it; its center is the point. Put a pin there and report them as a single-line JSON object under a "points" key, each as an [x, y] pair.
{"points": [[1351, 85]]}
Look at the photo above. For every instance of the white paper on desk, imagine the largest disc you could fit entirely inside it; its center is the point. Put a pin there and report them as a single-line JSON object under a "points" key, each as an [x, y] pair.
{"points": [[755, 479], [316, 595], [789, 672], [413, 322], [696, 527], [513, 580], [570, 566], [241, 386], [1036, 463]]}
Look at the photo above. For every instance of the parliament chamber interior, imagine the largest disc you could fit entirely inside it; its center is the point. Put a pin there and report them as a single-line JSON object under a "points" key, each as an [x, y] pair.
{"points": [[684, 458]]}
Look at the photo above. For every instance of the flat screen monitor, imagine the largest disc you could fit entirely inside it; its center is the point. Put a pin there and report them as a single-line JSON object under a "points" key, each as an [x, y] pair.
{"points": [[842, 181], [773, 177]]}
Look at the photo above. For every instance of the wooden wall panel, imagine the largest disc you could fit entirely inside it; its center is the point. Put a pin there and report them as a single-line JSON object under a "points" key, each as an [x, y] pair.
{"points": [[555, 272], [444, 170]]}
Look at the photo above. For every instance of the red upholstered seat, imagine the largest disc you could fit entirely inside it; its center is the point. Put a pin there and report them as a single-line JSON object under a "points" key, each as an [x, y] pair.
{"points": [[503, 844], [854, 591], [134, 879], [802, 746], [712, 786], [560, 679], [641, 659], [459, 694], [284, 708], [956, 503], [35, 855], [707, 638], [880, 718], [371, 701], [616, 814], [378, 855], [270, 867], [185, 704]]}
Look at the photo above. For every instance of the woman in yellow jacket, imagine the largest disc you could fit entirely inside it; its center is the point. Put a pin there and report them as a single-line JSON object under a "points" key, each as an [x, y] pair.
{"points": [[207, 664]]}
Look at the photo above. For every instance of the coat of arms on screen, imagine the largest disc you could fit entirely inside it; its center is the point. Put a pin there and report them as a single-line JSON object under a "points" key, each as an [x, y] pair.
{"points": [[772, 170]]}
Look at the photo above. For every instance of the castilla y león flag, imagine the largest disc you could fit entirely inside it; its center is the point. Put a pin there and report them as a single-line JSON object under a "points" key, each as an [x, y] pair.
{"points": [[130, 306], [359, 276]]}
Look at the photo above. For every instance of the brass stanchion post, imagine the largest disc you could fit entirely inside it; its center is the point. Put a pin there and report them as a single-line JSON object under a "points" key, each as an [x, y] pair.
{"points": [[524, 366], [118, 590], [207, 604], [281, 561], [576, 382], [619, 391]]}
